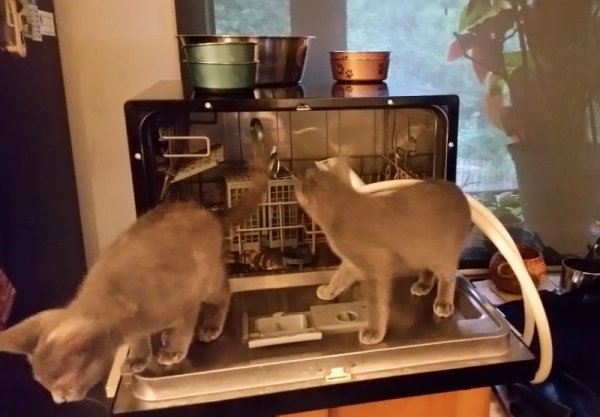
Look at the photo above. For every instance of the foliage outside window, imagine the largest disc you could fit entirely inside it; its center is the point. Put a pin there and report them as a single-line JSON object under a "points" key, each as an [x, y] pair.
{"points": [[526, 73]]}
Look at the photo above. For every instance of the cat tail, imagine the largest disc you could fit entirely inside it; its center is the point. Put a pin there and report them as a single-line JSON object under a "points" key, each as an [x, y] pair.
{"points": [[253, 196]]}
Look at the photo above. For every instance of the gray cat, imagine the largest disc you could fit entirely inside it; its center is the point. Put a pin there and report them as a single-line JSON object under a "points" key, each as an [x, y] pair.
{"points": [[421, 227], [153, 278]]}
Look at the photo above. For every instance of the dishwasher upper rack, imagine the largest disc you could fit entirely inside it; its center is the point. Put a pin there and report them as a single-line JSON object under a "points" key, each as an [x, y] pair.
{"points": [[187, 155], [164, 101]]}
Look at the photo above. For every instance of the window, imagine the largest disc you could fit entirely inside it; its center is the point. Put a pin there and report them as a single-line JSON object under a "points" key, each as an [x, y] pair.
{"points": [[257, 17], [529, 147], [419, 34]]}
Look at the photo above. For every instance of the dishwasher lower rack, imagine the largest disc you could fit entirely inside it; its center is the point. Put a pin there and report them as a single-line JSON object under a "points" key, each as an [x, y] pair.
{"points": [[279, 222], [416, 341]]}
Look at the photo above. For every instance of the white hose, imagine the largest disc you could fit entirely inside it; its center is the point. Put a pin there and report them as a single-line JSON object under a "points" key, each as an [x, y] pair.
{"points": [[490, 226], [535, 316]]}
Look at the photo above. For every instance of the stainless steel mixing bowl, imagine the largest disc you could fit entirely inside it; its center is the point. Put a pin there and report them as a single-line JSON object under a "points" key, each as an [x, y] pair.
{"points": [[579, 273], [281, 59]]}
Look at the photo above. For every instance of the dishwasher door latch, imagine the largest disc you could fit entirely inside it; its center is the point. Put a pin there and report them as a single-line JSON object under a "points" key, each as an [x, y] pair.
{"points": [[338, 374]]}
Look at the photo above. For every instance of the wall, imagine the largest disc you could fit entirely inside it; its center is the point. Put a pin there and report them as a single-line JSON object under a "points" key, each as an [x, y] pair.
{"points": [[328, 25], [110, 51]]}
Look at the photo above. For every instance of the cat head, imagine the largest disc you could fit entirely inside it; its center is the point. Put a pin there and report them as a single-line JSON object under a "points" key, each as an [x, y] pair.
{"points": [[68, 355], [316, 187]]}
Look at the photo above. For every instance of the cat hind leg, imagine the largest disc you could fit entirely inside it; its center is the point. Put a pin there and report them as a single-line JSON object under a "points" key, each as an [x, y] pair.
{"points": [[443, 306], [214, 314], [176, 340], [138, 357], [378, 301], [424, 284]]}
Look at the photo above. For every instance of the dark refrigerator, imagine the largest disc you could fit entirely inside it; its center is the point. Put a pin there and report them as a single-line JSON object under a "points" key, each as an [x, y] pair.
{"points": [[41, 244]]}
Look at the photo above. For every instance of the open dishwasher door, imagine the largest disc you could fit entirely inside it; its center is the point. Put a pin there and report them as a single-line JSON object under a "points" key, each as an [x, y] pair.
{"points": [[281, 344]]}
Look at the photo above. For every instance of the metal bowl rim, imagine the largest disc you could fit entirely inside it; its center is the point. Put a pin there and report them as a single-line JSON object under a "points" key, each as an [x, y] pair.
{"points": [[249, 63], [574, 269], [249, 36], [190, 45], [360, 59], [360, 52]]}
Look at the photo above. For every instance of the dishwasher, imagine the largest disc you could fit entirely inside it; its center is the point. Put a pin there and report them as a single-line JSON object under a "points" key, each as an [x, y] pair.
{"points": [[279, 336]]}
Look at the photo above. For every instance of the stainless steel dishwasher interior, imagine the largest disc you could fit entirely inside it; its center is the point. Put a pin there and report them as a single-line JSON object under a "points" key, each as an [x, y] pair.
{"points": [[227, 368]]}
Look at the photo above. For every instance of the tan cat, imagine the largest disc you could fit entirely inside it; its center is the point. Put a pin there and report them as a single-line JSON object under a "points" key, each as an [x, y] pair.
{"points": [[153, 278], [420, 227]]}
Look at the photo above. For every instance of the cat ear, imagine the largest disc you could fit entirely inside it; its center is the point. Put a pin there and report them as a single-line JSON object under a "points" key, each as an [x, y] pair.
{"points": [[23, 337], [344, 152], [342, 169], [339, 149]]}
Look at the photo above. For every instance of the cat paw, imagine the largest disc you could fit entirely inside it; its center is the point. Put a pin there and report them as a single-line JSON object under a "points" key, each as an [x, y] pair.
{"points": [[134, 365], [443, 308], [420, 288], [323, 293], [370, 336], [170, 357], [209, 333]]}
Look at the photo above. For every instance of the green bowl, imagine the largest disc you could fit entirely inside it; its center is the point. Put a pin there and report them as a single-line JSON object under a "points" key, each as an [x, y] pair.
{"points": [[221, 52], [220, 76]]}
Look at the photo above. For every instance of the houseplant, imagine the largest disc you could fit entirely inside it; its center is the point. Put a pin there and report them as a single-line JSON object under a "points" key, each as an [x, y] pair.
{"points": [[539, 62]]}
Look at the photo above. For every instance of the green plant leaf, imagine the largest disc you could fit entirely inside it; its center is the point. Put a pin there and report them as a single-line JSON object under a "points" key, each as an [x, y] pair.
{"points": [[509, 200], [476, 12], [488, 199], [498, 85], [501, 4], [514, 59], [492, 13], [516, 211], [506, 216]]}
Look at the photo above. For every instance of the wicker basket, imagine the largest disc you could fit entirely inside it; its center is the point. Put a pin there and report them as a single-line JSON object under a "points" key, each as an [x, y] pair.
{"points": [[503, 276]]}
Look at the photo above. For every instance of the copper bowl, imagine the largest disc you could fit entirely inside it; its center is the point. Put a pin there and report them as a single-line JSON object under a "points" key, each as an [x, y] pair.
{"points": [[359, 67], [359, 55]]}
